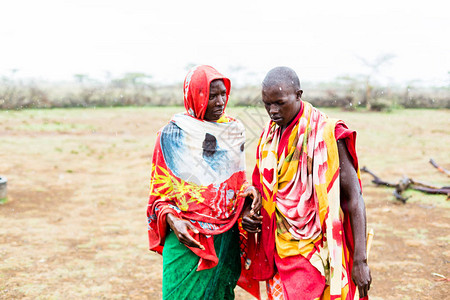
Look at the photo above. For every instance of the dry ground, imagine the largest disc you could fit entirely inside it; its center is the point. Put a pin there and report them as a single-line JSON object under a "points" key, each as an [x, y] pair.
{"points": [[74, 226]]}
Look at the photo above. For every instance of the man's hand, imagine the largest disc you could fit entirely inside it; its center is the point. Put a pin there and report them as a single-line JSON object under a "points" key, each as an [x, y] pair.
{"points": [[252, 194], [181, 229], [361, 277]]}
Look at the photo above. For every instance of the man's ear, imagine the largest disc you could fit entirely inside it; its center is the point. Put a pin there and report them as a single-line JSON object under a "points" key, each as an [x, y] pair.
{"points": [[299, 94]]}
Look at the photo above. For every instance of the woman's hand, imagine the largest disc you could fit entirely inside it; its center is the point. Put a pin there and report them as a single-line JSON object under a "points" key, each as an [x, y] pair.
{"points": [[252, 194], [181, 229], [251, 222]]}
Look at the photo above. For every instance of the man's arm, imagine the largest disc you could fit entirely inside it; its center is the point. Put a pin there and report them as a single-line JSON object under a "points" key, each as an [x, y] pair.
{"points": [[353, 204]]}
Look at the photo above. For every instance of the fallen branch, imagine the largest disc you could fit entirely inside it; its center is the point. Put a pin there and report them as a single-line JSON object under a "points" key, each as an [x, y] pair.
{"points": [[442, 277], [377, 179], [445, 190], [440, 169], [408, 183], [399, 197]]}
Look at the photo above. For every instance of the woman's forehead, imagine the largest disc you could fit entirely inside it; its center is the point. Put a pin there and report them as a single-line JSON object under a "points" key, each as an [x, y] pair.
{"points": [[217, 83]]}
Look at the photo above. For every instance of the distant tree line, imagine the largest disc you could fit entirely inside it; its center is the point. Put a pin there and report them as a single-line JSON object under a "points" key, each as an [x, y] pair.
{"points": [[137, 89]]}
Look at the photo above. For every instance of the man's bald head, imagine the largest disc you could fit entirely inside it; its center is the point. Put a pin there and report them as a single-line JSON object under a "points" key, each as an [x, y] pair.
{"points": [[281, 76], [281, 95]]}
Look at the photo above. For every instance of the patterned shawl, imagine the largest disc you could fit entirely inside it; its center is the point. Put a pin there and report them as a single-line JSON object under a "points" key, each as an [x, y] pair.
{"points": [[298, 172], [198, 171]]}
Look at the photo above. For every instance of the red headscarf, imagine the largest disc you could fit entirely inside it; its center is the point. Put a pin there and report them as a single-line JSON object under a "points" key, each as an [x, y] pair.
{"points": [[196, 89]]}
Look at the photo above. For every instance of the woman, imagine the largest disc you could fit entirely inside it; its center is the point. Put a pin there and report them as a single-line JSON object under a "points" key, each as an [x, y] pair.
{"points": [[198, 191]]}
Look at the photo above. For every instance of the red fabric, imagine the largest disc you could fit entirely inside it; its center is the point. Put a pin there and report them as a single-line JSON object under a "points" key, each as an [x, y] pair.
{"points": [[246, 280], [196, 89], [265, 264], [300, 278], [265, 250], [341, 132]]}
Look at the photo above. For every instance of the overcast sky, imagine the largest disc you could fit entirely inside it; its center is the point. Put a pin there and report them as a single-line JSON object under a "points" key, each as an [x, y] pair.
{"points": [[55, 39]]}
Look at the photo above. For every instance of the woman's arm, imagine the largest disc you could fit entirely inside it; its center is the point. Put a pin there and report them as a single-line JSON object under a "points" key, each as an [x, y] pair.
{"points": [[181, 229]]}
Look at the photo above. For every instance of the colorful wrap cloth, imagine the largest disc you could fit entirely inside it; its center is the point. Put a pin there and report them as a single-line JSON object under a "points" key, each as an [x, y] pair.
{"points": [[305, 236], [198, 174]]}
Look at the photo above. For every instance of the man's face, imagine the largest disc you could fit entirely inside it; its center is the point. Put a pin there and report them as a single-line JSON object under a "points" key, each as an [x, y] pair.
{"points": [[217, 100], [282, 103]]}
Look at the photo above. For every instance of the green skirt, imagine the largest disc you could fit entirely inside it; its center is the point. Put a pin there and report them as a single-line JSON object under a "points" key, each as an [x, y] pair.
{"points": [[182, 281]]}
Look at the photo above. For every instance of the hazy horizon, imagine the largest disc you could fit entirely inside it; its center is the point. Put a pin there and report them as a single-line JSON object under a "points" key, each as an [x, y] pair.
{"points": [[53, 40]]}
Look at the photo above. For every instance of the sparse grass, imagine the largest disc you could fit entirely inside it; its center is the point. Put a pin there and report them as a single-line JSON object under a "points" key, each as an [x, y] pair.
{"points": [[75, 213]]}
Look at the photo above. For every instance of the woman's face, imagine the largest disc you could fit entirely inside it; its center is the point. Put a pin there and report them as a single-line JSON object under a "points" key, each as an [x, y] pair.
{"points": [[217, 100]]}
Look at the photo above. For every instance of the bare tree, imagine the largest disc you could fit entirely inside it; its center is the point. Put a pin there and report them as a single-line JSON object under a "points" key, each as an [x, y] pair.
{"points": [[81, 78], [374, 68]]}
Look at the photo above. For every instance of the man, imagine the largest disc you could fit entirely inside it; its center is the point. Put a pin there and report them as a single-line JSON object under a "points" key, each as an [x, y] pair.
{"points": [[313, 239]]}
